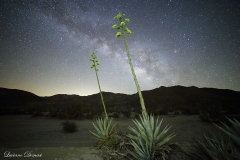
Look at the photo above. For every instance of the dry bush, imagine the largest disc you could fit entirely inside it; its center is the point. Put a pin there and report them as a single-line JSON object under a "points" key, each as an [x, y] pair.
{"points": [[69, 127]]}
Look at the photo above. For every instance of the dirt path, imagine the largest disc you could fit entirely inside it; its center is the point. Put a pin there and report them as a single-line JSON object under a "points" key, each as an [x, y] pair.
{"points": [[22, 133]]}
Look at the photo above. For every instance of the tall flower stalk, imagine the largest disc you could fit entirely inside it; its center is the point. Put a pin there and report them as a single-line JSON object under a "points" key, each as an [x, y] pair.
{"points": [[104, 129], [94, 65], [147, 138], [124, 30]]}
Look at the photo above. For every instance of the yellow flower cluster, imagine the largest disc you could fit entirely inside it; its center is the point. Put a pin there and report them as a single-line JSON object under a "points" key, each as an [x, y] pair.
{"points": [[121, 25], [94, 60]]}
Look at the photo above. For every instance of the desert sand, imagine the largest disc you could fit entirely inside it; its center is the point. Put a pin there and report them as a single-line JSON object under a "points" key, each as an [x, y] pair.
{"points": [[43, 138]]}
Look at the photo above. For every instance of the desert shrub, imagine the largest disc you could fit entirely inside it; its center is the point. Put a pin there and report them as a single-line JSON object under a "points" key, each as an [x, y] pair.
{"points": [[116, 146], [205, 117], [69, 127], [95, 111], [74, 111], [62, 115], [111, 142], [137, 116], [127, 114], [162, 112], [52, 112], [115, 115], [211, 116]]}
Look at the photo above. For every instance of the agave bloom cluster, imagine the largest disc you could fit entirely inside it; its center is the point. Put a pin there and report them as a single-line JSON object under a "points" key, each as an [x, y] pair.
{"points": [[95, 61], [121, 25], [149, 139]]}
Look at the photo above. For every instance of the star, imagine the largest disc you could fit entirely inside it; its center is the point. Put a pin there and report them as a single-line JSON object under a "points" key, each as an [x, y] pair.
{"points": [[46, 45]]}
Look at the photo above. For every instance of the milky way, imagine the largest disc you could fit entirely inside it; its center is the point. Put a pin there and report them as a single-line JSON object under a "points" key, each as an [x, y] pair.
{"points": [[46, 45]]}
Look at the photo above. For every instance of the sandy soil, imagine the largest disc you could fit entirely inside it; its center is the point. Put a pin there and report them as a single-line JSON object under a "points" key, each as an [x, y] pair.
{"points": [[44, 138]]}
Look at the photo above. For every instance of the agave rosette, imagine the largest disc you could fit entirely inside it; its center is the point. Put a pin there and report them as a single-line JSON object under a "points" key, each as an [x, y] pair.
{"points": [[148, 138], [103, 128]]}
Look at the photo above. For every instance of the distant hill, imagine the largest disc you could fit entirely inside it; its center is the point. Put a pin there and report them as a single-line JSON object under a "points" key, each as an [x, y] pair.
{"points": [[189, 100], [15, 98]]}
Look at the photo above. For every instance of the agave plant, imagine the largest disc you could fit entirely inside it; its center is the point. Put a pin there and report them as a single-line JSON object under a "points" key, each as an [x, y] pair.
{"points": [[215, 148], [124, 30], [212, 148], [148, 139], [94, 65], [103, 128], [234, 133]]}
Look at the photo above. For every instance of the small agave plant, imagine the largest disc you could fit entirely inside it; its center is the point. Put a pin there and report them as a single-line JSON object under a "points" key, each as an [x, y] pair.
{"points": [[103, 127], [234, 133], [216, 148], [210, 148], [147, 138]]}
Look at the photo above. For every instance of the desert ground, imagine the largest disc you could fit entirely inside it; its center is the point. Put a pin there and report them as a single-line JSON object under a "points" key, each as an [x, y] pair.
{"points": [[43, 139]]}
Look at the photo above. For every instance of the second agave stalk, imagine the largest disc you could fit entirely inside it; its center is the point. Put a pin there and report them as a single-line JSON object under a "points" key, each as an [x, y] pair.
{"points": [[122, 33], [94, 65]]}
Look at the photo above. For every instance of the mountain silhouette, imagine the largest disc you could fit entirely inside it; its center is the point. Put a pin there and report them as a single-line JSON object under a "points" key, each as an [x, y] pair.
{"points": [[189, 100]]}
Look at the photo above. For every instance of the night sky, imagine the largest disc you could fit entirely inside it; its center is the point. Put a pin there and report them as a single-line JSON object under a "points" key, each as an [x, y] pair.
{"points": [[45, 45]]}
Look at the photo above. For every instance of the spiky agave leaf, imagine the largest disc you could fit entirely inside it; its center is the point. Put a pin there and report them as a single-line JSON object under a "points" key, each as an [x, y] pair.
{"points": [[213, 146], [148, 132], [160, 140], [143, 152], [233, 134]]}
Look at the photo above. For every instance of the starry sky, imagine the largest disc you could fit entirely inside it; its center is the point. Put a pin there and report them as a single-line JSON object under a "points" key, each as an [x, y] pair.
{"points": [[45, 45]]}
